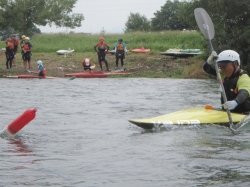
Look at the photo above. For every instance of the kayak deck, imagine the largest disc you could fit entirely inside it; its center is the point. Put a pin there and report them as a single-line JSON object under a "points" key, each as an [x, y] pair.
{"points": [[26, 76], [194, 116], [96, 74]]}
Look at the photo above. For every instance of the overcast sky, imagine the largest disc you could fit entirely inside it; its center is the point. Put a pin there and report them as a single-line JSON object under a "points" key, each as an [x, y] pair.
{"points": [[108, 14]]}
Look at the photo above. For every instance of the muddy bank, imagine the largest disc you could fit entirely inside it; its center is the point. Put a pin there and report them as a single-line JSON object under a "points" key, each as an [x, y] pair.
{"points": [[143, 65]]}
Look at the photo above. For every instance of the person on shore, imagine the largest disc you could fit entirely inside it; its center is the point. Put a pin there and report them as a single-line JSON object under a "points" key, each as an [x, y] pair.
{"points": [[9, 53], [100, 48], [22, 43], [87, 65], [236, 82], [41, 71], [120, 50], [27, 48], [15, 42]]}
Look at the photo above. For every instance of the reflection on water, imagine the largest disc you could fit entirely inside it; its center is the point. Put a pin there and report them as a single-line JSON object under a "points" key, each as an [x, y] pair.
{"points": [[81, 135], [18, 146]]}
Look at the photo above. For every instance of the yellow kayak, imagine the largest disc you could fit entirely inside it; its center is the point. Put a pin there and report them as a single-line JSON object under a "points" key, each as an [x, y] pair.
{"points": [[193, 116]]}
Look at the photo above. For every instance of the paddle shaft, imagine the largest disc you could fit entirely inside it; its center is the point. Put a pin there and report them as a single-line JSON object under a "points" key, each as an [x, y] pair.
{"points": [[221, 85]]}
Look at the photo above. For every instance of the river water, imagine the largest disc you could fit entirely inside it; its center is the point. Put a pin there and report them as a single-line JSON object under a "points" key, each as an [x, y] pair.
{"points": [[81, 135]]}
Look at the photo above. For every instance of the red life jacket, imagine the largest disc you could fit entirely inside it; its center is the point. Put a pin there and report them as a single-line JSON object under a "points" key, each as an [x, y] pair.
{"points": [[26, 47], [10, 46]]}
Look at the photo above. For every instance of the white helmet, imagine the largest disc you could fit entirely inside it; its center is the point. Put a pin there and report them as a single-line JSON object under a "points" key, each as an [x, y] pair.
{"points": [[27, 38], [39, 62], [228, 55], [87, 60]]}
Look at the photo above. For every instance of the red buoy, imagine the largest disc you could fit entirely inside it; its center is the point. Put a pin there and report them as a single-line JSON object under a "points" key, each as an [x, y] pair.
{"points": [[20, 122]]}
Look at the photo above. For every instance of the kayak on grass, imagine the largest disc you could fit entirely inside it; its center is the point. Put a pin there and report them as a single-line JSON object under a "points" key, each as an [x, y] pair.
{"points": [[96, 74], [141, 50], [181, 52], [193, 116], [63, 52], [112, 52]]}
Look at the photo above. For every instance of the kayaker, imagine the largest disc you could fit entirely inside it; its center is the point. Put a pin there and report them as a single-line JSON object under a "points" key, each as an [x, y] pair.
{"points": [[100, 48], [120, 49], [236, 82], [41, 71], [87, 65]]}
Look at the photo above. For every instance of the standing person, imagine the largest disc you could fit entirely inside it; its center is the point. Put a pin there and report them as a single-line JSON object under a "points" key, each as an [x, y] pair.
{"points": [[9, 53], [86, 65], [100, 48], [120, 49], [236, 82], [15, 42], [27, 48], [41, 71], [22, 43]]}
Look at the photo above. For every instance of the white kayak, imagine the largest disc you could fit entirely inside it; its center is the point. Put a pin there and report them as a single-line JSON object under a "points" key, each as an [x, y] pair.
{"points": [[112, 52], [63, 52]]}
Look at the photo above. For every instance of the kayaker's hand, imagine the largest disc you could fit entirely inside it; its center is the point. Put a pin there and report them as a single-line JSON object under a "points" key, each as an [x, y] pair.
{"points": [[230, 105], [211, 58]]}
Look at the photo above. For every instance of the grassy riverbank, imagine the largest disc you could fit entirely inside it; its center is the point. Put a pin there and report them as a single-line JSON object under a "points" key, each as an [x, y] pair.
{"points": [[151, 64]]}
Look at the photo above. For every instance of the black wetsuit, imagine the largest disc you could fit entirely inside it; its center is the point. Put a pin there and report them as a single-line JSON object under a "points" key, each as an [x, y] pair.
{"points": [[231, 91]]}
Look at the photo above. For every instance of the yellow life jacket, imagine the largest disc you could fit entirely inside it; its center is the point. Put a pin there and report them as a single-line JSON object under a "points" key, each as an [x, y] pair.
{"points": [[120, 47]]}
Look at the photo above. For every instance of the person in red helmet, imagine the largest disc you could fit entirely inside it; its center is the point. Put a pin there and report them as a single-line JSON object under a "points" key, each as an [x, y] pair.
{"points": [[100, 48]]}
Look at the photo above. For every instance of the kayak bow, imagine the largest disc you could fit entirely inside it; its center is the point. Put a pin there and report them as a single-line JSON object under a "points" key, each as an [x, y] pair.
{"points": [[193, 116]]}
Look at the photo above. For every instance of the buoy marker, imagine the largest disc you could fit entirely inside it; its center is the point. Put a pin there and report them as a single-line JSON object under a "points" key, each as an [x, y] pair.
{"points": [[16, 125]]}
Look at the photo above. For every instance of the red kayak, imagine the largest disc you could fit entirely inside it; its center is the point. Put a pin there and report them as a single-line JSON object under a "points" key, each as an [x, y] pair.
{"points": [[96, 74], [142, 50], [27, 76]]}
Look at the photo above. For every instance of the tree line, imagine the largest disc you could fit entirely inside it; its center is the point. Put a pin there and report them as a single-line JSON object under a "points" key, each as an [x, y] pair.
{"points": [[23, 16], [231, 21]]}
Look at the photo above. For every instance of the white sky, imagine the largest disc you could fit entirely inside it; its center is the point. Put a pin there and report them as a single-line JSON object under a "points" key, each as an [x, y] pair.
{"points": [[108, 14]]}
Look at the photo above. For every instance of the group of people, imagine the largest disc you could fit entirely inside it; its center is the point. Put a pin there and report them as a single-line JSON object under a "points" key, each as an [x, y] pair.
{"points": [[101, 48], [12, 45]]}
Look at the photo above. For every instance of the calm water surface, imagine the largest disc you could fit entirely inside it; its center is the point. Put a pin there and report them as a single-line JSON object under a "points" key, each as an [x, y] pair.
{"points": [[81, 135]]}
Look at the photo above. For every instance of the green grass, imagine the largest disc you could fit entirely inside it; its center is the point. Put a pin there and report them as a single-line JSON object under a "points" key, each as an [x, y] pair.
{"points": [[156, 41]]}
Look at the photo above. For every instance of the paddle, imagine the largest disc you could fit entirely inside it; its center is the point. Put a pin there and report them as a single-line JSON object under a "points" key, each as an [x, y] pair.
{"points": [[206, 26], [72, 78]]}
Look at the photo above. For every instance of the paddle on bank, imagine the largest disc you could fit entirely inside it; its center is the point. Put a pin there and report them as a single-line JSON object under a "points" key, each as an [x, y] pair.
{"points": [[206, 26]]}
